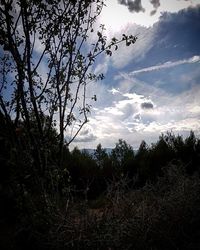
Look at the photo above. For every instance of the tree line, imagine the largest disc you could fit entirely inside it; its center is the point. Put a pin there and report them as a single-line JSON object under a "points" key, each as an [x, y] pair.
{"points": [[83, 172], [147, 164]]}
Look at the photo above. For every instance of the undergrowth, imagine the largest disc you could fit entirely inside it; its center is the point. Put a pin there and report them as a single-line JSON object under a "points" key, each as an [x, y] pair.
{"points": [[165, 215]]}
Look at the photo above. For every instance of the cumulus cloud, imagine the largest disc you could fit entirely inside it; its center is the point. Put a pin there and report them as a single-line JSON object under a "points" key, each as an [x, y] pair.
{"points": [[131, 116], [133, 6]]}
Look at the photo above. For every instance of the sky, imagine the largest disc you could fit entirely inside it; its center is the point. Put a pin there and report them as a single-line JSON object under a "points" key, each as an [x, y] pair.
{"points": [[153, 86]]}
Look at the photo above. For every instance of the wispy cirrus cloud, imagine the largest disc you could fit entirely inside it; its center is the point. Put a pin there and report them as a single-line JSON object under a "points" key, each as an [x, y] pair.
{"points": [[194, 59]]}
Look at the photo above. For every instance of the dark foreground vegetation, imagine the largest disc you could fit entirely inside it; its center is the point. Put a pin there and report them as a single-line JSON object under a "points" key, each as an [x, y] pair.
{"points": [[124, 200], [51, 198]]}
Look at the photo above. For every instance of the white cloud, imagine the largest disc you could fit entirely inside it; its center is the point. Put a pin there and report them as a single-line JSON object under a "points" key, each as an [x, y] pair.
{"points": [[136, 51], [121, 115], [102, 67], [114, 91], [39, 46]]}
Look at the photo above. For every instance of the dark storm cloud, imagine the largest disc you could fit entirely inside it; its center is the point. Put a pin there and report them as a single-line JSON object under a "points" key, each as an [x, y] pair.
{"points": [[136, 5], [179, 33], [156, 4], [147, 105], [133, 6]]}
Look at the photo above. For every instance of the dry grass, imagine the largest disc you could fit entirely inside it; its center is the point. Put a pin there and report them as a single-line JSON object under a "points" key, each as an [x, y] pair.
{"points": [[161, 216]]}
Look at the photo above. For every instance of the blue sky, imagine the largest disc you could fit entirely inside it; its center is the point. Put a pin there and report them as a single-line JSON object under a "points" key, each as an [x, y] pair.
{"points": [[153, 86]]}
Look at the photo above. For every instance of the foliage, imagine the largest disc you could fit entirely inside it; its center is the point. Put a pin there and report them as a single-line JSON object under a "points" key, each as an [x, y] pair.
{"points": [[54, 36]]}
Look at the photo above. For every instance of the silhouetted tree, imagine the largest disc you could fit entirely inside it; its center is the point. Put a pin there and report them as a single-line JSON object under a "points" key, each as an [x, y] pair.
{"points": [[52, 35], [100, 155], [122, 155], [142, 163]]}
